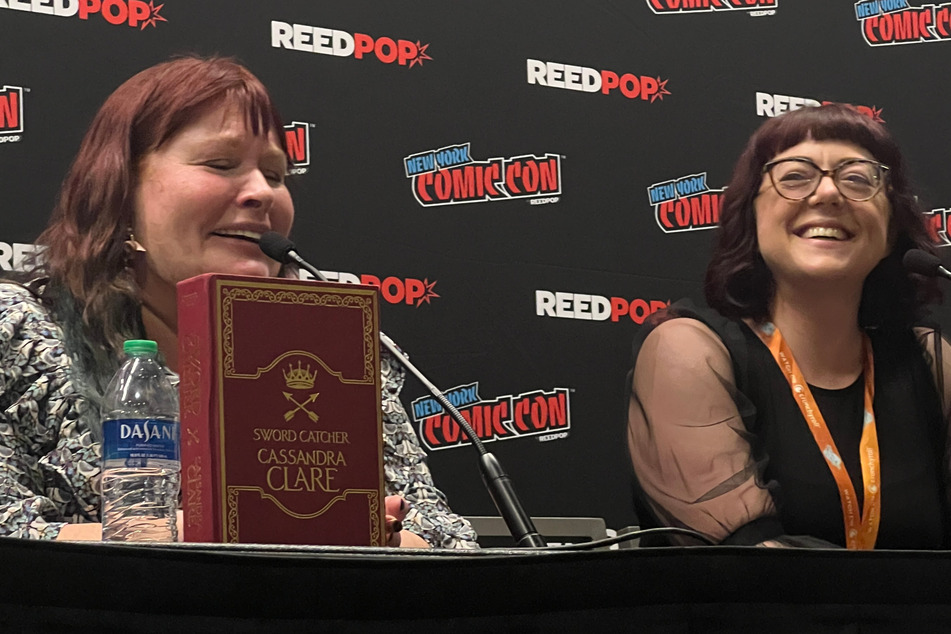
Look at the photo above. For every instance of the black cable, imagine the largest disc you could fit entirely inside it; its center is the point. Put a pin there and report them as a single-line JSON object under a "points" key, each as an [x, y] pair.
{"points": [[645, 532]]}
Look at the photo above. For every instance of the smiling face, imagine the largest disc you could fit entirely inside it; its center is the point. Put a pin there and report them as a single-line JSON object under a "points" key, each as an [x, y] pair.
{"points": [[824, 236], [205, 197]]}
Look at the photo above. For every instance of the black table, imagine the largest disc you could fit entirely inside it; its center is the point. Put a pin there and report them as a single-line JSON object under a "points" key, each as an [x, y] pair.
{"points": [[235, 588]]}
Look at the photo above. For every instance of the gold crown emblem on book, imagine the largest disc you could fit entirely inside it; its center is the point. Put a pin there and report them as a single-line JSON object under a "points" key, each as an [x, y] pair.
{"points": [[299, 378]]}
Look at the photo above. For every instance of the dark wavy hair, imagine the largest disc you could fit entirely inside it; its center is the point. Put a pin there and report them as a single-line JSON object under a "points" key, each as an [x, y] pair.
{"points": [[738, 283], [84, 257]]}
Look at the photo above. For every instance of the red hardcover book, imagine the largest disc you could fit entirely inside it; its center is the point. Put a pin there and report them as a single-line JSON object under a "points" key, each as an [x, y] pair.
{"points": [[280, 404]]}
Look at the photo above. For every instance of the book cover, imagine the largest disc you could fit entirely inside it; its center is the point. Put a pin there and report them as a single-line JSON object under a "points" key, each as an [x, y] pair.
{"points": [[280, 411]]}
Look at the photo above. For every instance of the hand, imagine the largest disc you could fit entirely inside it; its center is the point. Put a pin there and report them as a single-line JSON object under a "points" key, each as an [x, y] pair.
{"points": [[80, 533], [396, 508]]}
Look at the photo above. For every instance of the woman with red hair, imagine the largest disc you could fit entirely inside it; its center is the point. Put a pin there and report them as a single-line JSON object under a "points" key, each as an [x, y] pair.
{"points": [[180, 173]]}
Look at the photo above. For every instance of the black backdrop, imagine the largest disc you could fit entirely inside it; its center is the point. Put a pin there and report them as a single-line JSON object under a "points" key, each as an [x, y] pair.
{"points": [[529, 298]]}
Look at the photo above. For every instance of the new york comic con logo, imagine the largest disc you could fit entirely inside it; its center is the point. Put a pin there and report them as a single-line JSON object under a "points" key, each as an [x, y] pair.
{"points": [[889, 22], [297, 137], [545, 415], [938, 222], [685, 203], [449, 176], [134, 13], [696, 6], [11, 114], [337, 43]]}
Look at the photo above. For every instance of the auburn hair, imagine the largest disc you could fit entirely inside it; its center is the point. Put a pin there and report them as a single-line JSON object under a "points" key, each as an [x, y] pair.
{"points": [[84, 253]]}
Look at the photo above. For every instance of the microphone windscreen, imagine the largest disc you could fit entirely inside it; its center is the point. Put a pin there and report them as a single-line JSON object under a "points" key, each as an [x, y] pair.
{"points": [[921, 262], [276, 246]]}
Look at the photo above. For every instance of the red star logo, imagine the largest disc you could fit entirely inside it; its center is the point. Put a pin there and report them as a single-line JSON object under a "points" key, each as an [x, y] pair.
{"points": [[154, 17], [430, 293], [661, 90], [877, 114], [421, 56]]}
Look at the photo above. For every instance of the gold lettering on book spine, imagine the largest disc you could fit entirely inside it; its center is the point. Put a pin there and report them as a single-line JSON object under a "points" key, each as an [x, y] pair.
{"points": [[193, 493], [190, 379], [189, 389]]}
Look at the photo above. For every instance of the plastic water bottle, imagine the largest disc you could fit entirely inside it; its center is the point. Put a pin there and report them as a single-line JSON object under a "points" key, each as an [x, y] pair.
{"points": [[141, 460]]}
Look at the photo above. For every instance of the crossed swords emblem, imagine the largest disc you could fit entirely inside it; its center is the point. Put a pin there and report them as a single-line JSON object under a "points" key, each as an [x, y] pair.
{"points": [[300, 407]]}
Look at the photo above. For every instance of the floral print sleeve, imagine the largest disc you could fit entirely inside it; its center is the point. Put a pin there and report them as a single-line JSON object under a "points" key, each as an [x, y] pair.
{"points": [[407, 473], [49, 461]]}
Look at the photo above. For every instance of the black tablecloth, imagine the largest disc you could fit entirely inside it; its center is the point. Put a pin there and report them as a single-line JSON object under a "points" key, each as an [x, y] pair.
{"points": [[203, 588]]}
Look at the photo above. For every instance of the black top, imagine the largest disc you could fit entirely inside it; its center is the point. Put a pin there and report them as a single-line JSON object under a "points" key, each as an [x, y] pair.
{"points": [[912, 436], [911, 439]]}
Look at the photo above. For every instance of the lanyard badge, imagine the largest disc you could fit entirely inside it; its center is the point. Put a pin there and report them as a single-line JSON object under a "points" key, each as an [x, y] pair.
{"points": [[861, 528]]}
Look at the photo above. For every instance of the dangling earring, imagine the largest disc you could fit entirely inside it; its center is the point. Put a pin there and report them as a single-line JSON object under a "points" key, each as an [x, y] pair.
{"points": [[132, 245], [132, 248]]}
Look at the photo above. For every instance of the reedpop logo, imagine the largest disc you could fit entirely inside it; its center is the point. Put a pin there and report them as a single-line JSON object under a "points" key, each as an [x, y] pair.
{"points": [[588, 307], [773, 105], [337, 43], [394, 290], [13, 255], [134, 13], [584, 79]]}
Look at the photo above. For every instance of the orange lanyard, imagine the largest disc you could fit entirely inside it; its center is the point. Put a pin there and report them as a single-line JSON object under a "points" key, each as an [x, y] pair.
{"points": [[860, 532]]}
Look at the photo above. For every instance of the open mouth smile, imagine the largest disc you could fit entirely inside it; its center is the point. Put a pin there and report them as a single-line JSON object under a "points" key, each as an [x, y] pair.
{"points": [[825, 233]]}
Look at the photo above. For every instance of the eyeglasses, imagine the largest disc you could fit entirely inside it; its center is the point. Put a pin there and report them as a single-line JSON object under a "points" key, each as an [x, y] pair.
{"points": [[798, 178]]}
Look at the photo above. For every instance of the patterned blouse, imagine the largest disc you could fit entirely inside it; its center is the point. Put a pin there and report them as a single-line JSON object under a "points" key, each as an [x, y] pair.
{"points": [[49, 455]]}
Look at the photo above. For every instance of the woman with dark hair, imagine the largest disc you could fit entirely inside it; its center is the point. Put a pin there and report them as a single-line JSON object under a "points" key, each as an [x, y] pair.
{"points": [[179, 174], [808, 407]]}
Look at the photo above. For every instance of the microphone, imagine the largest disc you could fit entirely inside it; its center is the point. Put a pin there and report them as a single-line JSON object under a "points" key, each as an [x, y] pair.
{"points": [[923, 263], [498, 483]]}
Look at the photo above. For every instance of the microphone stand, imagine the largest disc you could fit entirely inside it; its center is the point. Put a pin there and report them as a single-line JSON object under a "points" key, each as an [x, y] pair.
{"points": [[496, 480], [498, 483]]}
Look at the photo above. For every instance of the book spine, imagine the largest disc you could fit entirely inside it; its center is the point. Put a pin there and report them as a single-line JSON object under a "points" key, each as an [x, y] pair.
{"points": [[196, 395]]}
